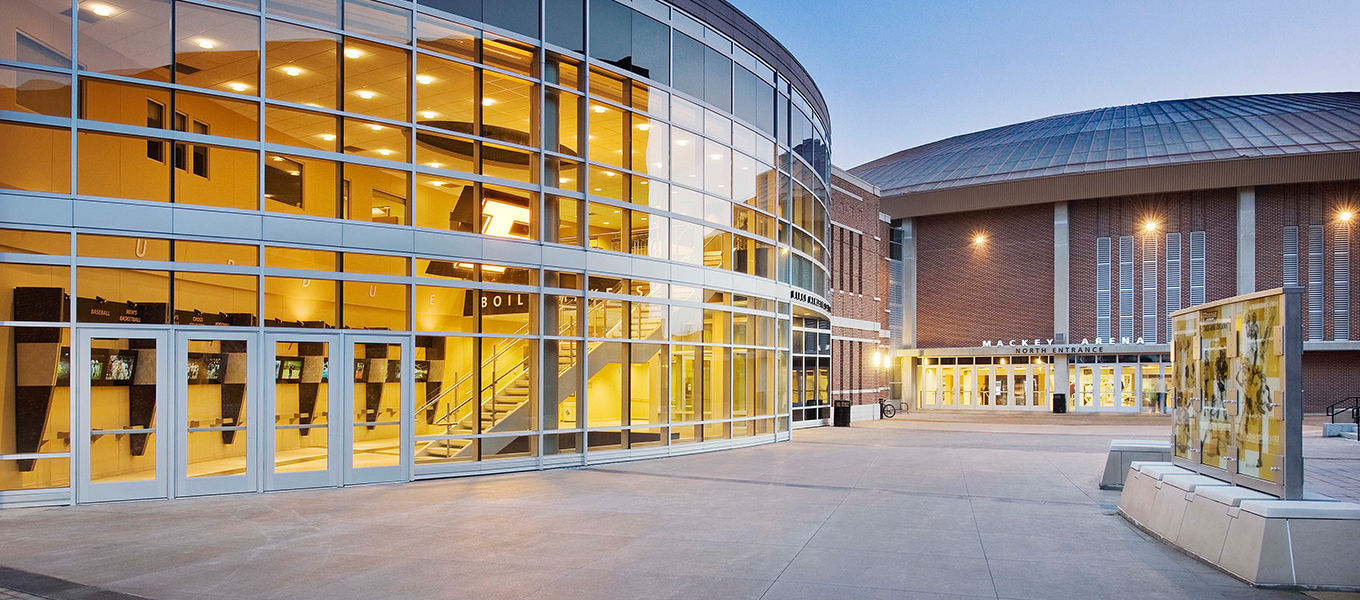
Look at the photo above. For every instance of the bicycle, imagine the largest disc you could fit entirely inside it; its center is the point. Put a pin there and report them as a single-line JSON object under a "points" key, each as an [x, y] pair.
{"points": [[887, 410]]}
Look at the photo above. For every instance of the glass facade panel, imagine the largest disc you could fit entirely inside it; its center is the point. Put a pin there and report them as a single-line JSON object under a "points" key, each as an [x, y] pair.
{"points": [[131, 39], [327, 121], [302, 65]]}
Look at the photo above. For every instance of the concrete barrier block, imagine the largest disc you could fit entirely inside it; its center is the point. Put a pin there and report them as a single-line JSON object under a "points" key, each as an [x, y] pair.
{"points": [[1204, 528]]}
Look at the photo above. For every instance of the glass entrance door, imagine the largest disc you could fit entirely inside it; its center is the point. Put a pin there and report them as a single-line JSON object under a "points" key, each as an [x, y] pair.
{"points": [[377, 429], [1023, 385], [947, 388], [1086, 385], [122, 382], [215, 403], [1128, 390], [301, 440]]}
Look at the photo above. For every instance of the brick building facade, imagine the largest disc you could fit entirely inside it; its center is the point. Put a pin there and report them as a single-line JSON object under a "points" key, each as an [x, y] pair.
{"points": [[859, 291], [1083, 257]]}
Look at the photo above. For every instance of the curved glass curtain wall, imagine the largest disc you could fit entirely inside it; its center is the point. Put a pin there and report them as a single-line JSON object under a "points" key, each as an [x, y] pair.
{"points": [[653, 136]]}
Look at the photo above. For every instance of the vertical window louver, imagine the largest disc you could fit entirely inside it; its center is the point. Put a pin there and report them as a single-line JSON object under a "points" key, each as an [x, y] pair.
{"points": [[1103, 288], [1290, 249], [1150, 289], [1173, 277], [1196, 268], [1316, 263], [1341, 282], [1126, 286]]}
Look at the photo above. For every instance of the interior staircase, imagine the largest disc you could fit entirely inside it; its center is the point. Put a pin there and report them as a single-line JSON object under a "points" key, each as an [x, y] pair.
{"points": [[506, 394]]}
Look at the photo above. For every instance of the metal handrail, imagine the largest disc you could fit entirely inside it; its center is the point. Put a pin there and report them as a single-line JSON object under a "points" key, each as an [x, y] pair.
{"points": [[1354, 408], [563, 329]]}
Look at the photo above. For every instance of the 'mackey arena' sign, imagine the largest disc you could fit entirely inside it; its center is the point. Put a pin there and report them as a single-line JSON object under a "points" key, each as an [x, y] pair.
{"points": [[1046, 346]]}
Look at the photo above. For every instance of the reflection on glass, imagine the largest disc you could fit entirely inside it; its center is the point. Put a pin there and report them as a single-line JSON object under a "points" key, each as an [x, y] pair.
{"points": [[131, 38], [301, 65], [216, 49], [375, 80]]}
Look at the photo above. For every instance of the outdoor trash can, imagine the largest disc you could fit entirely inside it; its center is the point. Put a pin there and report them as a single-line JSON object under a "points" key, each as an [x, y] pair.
{"points": [[1059, 402], [840, 413]]}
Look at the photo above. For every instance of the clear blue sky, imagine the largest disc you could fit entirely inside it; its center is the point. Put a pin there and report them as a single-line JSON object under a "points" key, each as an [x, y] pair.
{"points": [[901, 73]]}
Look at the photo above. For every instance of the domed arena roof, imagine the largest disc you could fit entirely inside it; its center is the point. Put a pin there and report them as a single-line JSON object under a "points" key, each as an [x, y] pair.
{"points": [[1126, 137]]}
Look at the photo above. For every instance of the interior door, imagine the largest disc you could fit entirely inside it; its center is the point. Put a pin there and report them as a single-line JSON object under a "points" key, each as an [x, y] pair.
{"points": [[122, 391], [303, 410], [378, 440], [216, 408]]}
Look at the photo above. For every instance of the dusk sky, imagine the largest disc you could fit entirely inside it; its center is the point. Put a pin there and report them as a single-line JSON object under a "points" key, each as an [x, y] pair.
{"points": [[898, 74]]}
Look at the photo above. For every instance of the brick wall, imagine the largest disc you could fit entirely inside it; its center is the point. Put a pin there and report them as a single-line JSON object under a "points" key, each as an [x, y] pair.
{"points": [[858, 291], [1212, 211], [1301, 206], [1001, 289], [1327, 377]]}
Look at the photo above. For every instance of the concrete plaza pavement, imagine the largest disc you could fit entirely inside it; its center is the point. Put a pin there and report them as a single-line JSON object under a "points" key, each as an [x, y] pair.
{"points": [[934, 506]]}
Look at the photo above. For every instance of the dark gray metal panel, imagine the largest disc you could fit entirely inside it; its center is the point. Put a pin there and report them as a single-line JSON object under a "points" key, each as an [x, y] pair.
{"points": [[1124, 138], [1300, 168], [735, 24]]}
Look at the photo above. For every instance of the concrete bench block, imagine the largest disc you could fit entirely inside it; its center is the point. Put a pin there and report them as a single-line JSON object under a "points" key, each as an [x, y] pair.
{"points": [[1159, 470], [1254, 536], [1135, 503], [1302, 509], [1230, 496], [1326, 552], [1171, 500], [1257, 550], [1204, 528], [1337, 429], [1188, 483], [1123, 453], [1140, 445]]}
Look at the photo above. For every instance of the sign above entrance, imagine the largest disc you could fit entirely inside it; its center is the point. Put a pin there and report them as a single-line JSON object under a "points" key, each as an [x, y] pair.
{"points": [[1047, 346]]}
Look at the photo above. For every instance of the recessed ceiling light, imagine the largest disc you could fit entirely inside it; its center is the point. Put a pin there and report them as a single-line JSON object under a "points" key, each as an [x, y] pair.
{"points": [[424, 79], [353, 53], [238, 87], [102, 10], [278, 159], [681, 142], [292, 71], [206, 44], [564, 180], [365, 94], [328, 137], [644, 126], [600, 109], [488, 101], [436, 165], [375, 127], [429, 114], [385, 152], [437, 183]]}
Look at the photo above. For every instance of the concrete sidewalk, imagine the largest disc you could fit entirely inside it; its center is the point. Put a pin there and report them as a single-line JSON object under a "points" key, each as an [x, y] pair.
{"points": [[886, 509]]}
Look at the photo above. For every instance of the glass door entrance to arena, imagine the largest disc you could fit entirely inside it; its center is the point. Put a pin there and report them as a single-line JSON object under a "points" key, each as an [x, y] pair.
{"points": [[1106, 383]]}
